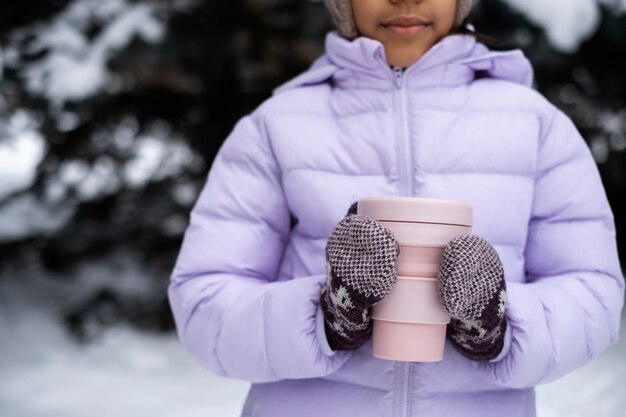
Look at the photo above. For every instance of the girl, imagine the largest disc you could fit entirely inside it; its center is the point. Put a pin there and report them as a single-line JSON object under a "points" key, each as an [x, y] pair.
{"points": [[273, 284]]}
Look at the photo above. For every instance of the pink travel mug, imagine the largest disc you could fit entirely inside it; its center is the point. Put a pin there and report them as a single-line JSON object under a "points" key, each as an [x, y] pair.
{"points": [[410, 324]]}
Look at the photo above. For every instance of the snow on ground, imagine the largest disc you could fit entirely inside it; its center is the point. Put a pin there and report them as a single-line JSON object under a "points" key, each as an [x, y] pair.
{"points": [[43, 373], [593, 390], [128, 373]]}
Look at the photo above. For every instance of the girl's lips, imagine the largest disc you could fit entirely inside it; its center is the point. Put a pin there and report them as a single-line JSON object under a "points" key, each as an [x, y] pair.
{"points": [[405, 30], [405, 25]]}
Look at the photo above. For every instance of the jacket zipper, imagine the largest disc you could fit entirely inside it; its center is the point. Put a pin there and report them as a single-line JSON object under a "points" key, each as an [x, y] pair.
{"points": [[403, 385], [403, 146], [405, 178]]}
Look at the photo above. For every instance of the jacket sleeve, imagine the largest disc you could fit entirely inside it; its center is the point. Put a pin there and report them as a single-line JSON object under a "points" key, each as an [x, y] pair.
{"points": [[569, 310], [231, 314]]}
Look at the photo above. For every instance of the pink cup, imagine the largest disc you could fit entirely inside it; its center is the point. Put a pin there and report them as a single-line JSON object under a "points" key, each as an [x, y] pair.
{"points": [[410, 324]]}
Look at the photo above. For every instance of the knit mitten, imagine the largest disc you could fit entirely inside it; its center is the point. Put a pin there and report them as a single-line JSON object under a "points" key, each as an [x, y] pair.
{"points": [[361, 263], [473, 293]]}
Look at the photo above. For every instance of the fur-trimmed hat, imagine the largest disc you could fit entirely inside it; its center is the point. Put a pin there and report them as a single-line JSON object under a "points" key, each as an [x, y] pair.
{"points": [[341, 13]]}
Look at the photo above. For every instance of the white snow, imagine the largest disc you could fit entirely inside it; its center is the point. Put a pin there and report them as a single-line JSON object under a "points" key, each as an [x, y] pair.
{"points": [[63, 77], [185, 194], [25, 216], [67, 120], [613, 125], [593, 390], [129, 373], [611, 136], [89, 181], [566, 23], [139, 20], [156, 156], [124, 373], [600, 149], [22, 148], [74, 67], [149, 154], [101, 179]]}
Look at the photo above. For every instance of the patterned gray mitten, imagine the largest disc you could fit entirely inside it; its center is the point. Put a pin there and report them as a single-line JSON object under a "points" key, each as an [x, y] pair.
{"points": [[361, 262], [473, 292]]}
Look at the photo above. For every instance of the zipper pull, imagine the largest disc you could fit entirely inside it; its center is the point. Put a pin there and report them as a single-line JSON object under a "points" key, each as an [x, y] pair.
{"points": [[397, 76]]}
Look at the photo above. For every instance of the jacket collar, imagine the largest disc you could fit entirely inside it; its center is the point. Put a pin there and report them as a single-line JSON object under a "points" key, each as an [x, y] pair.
{"points": [[454, 60]]}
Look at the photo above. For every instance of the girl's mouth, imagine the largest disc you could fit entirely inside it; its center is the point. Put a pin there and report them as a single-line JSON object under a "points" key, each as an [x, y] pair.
{"points": [[405, 30], [405, 25]]}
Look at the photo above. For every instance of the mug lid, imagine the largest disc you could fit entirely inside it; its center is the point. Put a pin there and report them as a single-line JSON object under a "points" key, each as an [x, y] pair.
{"points": [[416, 209]]}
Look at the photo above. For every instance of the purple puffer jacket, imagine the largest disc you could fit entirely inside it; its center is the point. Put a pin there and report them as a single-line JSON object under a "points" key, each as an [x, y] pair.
{"points": [[461, 123]]}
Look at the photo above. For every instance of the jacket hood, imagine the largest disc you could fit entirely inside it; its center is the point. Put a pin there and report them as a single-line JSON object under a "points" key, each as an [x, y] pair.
{"points": [[454, 60]]}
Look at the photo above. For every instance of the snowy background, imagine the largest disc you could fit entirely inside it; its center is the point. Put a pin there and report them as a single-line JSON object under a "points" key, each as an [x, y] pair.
{"points": [[126, 372], [110, 114]]}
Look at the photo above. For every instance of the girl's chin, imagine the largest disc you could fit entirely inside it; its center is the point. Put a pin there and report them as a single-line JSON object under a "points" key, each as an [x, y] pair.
{"points": [[404, 57]]}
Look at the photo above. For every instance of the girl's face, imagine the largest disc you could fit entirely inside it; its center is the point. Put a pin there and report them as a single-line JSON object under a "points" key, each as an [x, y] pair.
{"points": [[406, 28]]}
